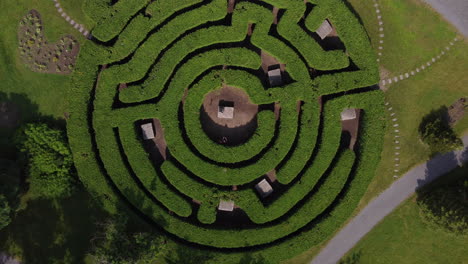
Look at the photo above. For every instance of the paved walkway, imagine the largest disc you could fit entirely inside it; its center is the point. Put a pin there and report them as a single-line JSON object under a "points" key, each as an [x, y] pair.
{"points": [[455, 11], [386, 202]]}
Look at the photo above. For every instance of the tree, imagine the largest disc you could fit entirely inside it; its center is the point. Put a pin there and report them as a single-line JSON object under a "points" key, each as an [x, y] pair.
{"points": [[49, 160], [116, 245], [5, 211], [437, 133], [446, 206]]}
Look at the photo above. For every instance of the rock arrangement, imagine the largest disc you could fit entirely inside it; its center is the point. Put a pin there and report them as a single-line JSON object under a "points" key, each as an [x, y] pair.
{"points": [[40, 55]]}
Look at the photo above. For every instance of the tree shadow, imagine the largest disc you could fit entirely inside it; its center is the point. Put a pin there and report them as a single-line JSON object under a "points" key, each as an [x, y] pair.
{"points": [[437, 166], [53, 232], [17, 109], [188, 255]]}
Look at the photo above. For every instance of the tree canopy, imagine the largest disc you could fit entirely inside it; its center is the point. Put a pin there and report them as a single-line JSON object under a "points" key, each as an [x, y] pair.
{"points": [[49, 160]]}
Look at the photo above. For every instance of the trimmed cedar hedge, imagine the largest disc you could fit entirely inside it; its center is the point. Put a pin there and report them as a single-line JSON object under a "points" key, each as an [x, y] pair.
{"points": [[108, 176], [193, 126], [246, 198], [174, 136], [241, 238], [117, 17], [143, 168]]}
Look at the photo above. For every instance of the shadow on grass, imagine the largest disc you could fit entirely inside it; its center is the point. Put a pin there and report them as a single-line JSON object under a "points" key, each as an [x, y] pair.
{"points": [[53, 231], [186, 255], [16, 110]]}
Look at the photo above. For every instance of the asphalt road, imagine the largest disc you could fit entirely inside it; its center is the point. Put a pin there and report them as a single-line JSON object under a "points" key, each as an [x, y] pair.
{"points": [[455, 11], [386, 202]]}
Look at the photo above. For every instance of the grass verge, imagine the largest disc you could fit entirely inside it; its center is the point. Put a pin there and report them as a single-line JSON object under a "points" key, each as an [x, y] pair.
{"points": [[404, 237]]}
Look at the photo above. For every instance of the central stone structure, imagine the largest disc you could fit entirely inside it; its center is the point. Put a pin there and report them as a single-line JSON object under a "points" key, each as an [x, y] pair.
{"points": [[229, 107]]}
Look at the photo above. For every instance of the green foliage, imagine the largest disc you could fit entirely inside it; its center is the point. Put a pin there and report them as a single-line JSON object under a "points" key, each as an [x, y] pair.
{"points": [[445, 206], [352, 259], [5, 212], [49, 160], [437, 133], [180, 59], [149, 176], [117, 18], [116, 245]]}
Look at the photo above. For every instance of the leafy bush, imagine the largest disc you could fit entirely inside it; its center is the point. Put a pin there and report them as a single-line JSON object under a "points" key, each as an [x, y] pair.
{"points": [[115, 244], [320, 187], [49, 160], [445, 206], [5, 212], [437, 133]]}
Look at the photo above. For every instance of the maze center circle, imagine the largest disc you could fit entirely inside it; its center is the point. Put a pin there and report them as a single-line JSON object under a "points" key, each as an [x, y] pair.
{"points": [[223, 121], [225, 109]]}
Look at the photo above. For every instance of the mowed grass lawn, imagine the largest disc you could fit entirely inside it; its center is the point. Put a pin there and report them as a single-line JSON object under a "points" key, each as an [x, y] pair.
{"points": [[442, 84], [42, 231], [35, 94], [404, 237], [48, 91], [414, 33]]}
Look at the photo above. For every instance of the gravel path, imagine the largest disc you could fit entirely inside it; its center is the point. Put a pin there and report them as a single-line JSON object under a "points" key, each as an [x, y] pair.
{"points": [[455, 11], [386, 202]]}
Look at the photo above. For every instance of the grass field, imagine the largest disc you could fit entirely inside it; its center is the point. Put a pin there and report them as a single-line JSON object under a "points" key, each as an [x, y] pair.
{"points": [[404, 237], [414, 34], [42, 232], [442, 84], [35, 94]]}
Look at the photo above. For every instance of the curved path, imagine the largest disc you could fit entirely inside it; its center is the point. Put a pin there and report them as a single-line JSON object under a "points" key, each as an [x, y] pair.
{"points": [[386, 202]]}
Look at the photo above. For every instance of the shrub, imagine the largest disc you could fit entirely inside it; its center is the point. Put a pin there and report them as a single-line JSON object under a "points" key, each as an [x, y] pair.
{"points": [[115, 244], [49, 160], [5, 212], [320, 187], [445, 206], [437, 133]]}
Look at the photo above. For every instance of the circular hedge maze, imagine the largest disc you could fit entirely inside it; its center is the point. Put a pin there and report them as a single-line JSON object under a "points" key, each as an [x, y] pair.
{"points": [[235, 126]]}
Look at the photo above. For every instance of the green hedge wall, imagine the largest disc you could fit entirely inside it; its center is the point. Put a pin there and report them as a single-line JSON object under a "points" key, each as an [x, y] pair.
{"points": [[207, 147], [168, 63], [142, 166]]}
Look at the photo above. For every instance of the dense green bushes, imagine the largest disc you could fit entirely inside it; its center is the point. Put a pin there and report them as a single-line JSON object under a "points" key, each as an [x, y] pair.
{"points": [[175, 60], [5, 212], [50, 163], [435, 131], [207, 147], [116, 19], [444, 205], [146, 173], [136, 31]]}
